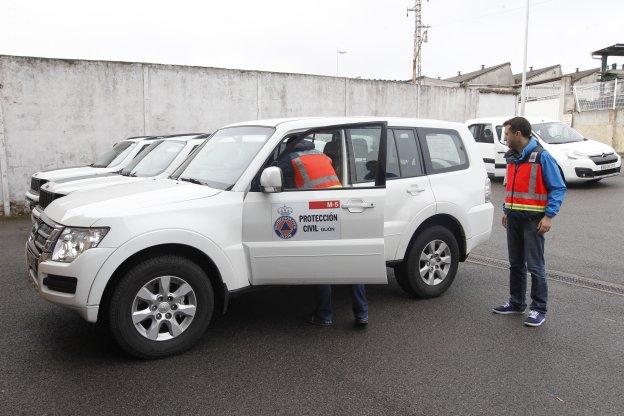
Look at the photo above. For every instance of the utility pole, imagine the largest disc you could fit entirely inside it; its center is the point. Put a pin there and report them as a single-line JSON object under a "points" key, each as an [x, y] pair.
{"points": [[419, 38], [338, 53], [524, 64]]}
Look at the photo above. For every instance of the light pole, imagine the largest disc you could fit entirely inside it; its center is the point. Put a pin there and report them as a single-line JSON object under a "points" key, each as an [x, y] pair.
{"points": [[524, 64], [338, 53]]}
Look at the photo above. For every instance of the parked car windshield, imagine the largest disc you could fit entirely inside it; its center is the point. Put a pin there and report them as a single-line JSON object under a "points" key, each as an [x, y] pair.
{"points": [[223, 159], [114, 156], [156, 158], [557, 133]]}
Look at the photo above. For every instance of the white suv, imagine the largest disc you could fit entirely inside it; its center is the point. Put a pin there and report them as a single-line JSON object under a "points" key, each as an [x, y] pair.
{"points": [[155, 259], [158, 160], [114, 160], [580, 159]]}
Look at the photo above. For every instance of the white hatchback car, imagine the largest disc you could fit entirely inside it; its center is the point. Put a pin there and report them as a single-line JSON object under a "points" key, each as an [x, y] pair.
{"points": [[155, 259], [158, 160], [579, 159]]}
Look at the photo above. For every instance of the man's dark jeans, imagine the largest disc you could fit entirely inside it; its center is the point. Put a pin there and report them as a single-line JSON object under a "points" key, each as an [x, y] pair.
{"points": [[358, 302], [526, 252]]}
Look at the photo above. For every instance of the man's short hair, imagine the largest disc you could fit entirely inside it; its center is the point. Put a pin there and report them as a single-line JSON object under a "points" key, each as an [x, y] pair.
{"points": [[520, 124]]}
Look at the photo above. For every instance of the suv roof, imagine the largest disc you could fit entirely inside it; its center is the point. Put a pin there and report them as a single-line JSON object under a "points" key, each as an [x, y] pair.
{"points": [[305, 122]]}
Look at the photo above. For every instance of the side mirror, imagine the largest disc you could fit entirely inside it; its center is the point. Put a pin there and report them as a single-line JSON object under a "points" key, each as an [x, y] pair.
{"points": [[271, 180]]}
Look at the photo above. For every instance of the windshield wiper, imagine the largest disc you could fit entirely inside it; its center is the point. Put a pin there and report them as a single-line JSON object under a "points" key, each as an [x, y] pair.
{"points": [[192, 180]]}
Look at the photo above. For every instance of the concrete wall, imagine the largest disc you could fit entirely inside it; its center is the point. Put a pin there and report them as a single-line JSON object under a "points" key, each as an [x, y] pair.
{"points": [[496, 105], [58, 113], [606, 126]]}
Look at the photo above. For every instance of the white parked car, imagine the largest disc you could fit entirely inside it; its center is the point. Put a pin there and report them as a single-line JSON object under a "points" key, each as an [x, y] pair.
{"points": [[580, 159], [114, 160], [159, 160], [156, 259]]}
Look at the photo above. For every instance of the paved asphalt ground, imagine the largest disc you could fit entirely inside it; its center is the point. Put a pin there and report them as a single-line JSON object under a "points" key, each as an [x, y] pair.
{"points": [[443, 356]]}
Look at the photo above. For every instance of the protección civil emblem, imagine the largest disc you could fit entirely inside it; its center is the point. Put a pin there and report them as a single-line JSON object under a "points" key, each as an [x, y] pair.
{"points": [[285, 226]]}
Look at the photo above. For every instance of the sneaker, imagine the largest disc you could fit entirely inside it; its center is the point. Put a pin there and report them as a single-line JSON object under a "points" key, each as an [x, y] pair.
{"points": [[315, 320], [535, 318], [361, 322], [507, 309]]}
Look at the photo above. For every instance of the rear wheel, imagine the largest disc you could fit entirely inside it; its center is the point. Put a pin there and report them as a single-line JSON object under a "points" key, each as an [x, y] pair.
{"points": [[161, 307], [430, 266]]}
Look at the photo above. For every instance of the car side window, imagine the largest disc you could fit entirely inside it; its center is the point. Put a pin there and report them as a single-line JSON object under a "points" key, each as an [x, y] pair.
{"points": [[487, 135], [444, 150], [392, 165], [409, 155], [475, 129], [363, 153], [482, 133]]}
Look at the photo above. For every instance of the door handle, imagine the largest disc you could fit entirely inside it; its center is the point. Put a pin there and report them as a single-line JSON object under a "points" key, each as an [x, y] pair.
{"points": [[415, 190], [357, 205]]}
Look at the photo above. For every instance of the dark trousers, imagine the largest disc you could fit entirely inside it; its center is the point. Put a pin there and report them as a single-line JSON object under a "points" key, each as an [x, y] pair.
{"points": [[526, 253], [358, 302]]}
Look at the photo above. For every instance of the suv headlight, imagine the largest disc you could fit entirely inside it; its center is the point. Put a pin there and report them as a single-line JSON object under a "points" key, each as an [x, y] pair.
{"points": [[74, 241], [488, 190], [576, 155]]}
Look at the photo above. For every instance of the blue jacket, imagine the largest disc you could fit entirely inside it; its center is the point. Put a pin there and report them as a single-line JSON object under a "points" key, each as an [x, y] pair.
{"points": [[552, 179]]}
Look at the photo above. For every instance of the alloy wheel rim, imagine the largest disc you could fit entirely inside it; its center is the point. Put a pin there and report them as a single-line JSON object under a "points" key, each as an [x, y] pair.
{"points": [[435, 262], [163, 308]]}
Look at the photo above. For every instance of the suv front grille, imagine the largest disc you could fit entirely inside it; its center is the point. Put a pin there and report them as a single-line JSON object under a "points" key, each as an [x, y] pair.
{"points": [[43, 236], [35, 184], [46, 198], [603, 160]]}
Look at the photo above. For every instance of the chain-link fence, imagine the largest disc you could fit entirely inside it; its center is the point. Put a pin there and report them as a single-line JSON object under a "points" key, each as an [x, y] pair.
{"points": [[600, 95]]}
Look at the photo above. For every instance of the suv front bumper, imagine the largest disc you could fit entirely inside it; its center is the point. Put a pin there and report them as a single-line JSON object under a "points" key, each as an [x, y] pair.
{"points": [[45, 274]]}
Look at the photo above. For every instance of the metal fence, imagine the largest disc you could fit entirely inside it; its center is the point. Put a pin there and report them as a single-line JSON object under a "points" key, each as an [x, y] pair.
{"points": [[607, 95], [539, 92]]}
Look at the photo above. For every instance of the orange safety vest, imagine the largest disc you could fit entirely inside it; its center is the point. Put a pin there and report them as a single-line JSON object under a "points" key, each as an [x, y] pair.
{"points": [[525, 189], [313, 170]]}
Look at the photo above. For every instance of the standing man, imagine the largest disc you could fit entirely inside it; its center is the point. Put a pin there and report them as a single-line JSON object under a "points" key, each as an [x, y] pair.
{"points": [[534, 193], [304, 167]]}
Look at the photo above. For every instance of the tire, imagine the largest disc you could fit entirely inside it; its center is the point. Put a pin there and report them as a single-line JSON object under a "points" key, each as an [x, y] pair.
{"points": [[408, 273], [160, 336]]}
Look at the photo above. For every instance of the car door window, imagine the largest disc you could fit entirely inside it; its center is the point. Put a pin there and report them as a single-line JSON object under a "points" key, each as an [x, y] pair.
{"points": [[444, 150], [475, 129], [363, 145], [487, 135], [409, 156], [392, 166]]}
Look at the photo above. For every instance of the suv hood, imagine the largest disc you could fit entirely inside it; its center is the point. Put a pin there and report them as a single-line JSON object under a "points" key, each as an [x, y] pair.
{"points": [[589, 147], [82, 209], [72, 173], [67, 187]]}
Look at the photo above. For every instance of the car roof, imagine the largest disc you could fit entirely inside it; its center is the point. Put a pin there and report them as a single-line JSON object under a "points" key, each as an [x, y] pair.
{"points": [[177, 136], [500, 120], [311, 122]]}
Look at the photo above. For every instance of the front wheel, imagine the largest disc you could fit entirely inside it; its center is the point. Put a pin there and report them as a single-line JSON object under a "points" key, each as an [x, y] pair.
{"points": [[430, 266], [161, 307]]}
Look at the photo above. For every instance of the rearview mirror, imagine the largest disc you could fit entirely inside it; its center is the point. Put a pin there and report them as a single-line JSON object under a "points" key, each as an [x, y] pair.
{"points": [[271, 180]]}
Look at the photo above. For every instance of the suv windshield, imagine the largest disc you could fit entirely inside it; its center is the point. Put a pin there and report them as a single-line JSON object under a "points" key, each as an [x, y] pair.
{"points": [[557, 133], [222, 159], [114, 156], [155, 159]]}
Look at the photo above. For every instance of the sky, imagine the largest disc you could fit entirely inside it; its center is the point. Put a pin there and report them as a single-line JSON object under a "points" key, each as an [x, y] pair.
{"points": [[303, 37]]}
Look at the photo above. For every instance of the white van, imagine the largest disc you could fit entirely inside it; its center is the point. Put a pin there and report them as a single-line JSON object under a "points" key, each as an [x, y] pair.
{"points": [[155, 259], [579, 159], [158, 160]]}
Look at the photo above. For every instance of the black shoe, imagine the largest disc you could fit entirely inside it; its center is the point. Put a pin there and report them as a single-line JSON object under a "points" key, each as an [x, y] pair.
{"points": [[315, 320], [361, 323]]}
